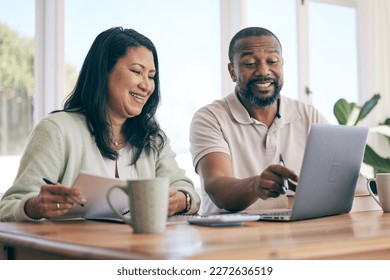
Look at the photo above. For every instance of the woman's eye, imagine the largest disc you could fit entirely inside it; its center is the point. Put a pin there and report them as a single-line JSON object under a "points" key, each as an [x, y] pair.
{"points": [[136, 72], [151, 77]]}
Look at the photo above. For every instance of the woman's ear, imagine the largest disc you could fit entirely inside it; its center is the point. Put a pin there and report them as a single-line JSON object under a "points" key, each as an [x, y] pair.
{"points": [[231, 72]]}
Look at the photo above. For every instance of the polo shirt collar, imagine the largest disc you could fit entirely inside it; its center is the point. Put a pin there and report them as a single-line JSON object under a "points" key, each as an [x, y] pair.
{"points": [[287, 110]]}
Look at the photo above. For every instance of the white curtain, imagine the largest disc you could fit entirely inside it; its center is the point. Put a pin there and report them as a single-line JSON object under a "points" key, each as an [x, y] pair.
{"points": [[373, 17]]}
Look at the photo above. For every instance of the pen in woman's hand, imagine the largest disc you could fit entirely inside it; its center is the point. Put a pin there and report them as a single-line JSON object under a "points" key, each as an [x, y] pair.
{"points": [[47, 181], [285, 183]]}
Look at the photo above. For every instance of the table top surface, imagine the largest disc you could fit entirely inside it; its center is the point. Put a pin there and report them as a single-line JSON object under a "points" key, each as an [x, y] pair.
{"points": [[363, 234]]}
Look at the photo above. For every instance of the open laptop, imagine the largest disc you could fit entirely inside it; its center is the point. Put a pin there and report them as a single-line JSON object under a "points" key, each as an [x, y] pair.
{"points": [[329, 173]]}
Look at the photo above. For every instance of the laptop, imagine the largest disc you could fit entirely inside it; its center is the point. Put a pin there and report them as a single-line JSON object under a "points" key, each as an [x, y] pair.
{"points": [[329, 173]]}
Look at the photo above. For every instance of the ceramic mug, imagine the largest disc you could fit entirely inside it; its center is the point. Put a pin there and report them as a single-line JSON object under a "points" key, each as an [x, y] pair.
{"points": [[383, 189], [148, 204]]}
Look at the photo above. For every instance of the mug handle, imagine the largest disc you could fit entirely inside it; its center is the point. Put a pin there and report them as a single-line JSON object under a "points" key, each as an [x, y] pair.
{"points": [[116, 212], [370, 191]]}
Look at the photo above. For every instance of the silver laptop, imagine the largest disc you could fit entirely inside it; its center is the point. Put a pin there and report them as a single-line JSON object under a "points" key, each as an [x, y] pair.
{"points": [[329, 173]]}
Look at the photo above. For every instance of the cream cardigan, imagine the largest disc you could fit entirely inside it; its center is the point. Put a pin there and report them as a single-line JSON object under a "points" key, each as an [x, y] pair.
{"points": [[60, 146]]}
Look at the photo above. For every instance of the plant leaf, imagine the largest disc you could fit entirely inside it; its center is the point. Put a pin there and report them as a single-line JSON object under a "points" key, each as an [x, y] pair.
{"points": [[384, 129], [342, 110], [367, 107], [386, 122], [379, 163]]}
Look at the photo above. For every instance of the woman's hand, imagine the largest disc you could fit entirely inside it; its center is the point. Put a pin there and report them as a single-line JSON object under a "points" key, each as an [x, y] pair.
{"points": [[52, 201], [177, 201]]}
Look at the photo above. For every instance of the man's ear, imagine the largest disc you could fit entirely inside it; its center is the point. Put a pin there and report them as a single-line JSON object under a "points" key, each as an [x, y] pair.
{"points": [[231, 72]]}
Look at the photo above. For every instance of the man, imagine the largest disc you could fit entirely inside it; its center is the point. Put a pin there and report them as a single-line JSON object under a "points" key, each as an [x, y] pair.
{"points": [[236, 141]]}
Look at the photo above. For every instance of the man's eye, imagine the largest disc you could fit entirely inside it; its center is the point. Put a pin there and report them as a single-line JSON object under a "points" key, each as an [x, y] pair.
{"points": [[250, 64], [273, 61]]}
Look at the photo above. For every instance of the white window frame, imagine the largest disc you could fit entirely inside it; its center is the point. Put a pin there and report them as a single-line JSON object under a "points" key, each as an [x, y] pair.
{"points": [[49, 57], [232, 20], [303, 43]]}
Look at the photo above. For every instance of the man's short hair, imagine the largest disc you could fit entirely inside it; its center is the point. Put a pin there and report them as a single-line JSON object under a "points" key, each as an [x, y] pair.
{"points": [[248, 32]]}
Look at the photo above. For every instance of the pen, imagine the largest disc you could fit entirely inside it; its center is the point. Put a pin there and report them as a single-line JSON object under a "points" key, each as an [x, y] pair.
{"points": [[285, 183], [47, 181]]}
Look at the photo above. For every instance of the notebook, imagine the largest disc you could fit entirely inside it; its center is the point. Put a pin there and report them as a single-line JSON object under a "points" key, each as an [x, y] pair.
{"points": [[329, 173], [94, 188]]}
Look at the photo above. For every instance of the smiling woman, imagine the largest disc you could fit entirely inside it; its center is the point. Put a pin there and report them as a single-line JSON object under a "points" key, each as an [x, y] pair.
{"points": [[107, 128], [183, 34]]}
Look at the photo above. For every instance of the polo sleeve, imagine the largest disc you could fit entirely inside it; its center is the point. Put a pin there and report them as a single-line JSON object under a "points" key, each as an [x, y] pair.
{"points": [[206, 134]]}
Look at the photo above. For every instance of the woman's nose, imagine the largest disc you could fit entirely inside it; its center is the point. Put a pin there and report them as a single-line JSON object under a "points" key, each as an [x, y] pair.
{"points": [[146, 84]]}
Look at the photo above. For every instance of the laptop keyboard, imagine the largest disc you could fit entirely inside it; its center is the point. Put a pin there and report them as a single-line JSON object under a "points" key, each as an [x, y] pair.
{"points": [[279, 213], [276, 215]]}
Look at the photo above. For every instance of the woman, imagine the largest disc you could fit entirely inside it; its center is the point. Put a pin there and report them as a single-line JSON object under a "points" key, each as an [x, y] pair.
{"points": [[107, 127]]}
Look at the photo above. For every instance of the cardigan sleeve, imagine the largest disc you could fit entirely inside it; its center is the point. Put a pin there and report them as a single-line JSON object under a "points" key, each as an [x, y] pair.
{"points": [[166, 165], [37, 161]]}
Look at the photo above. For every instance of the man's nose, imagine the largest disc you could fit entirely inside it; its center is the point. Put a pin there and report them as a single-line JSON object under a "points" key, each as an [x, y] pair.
{"points": [[262, 70]]}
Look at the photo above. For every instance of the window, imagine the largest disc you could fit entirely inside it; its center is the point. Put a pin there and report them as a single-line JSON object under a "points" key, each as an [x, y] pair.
{"points": [[332, 56], [16, 83], [280, 18]]}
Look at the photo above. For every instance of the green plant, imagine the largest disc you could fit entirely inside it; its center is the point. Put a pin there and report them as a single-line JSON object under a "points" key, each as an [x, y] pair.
{"points": [[352, 114]]}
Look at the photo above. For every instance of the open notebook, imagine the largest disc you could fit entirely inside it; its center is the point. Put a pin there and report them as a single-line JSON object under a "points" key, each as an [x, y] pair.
{"points": [[329, 173], [94, 189]]}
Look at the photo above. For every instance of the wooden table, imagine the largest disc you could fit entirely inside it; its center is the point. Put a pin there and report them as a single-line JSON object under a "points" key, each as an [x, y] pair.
{"points": [[357, 235]]}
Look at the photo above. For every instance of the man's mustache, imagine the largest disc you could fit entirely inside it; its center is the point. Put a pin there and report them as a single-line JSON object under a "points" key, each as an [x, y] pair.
{"points": [[262, 79]]}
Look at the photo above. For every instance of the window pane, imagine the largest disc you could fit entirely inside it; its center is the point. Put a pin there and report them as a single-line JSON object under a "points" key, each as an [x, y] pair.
{"points": [[279, 16], [187, 38], [333, 56], [16, 83]]}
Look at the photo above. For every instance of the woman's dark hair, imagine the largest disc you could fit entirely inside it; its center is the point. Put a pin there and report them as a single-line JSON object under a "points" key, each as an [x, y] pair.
{"points": [[90, 94]]}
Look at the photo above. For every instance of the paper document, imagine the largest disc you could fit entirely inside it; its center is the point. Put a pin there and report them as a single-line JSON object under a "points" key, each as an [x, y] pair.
{"points": [[95, 188]]}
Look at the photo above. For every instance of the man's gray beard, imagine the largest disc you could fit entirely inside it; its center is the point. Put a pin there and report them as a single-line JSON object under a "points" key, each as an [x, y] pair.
{"points": [[260, 102]]}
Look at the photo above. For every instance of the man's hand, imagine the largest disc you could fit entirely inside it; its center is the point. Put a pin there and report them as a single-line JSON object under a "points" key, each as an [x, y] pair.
{"points": [[270, 181]]}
